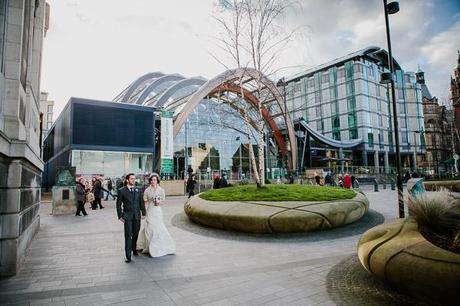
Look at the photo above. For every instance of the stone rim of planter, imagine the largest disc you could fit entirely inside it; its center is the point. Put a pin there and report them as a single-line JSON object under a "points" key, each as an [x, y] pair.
{"points": [[276, 217], [397, 253]]}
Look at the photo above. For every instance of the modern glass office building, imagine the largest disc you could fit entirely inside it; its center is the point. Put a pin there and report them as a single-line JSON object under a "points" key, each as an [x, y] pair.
{"points": [[343, 100], [100, 138]]}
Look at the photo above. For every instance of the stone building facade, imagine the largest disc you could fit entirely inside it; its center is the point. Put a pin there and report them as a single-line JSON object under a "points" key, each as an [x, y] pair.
{"points": [[455, 97], [22, 26], [46, 115], [438, 136]]}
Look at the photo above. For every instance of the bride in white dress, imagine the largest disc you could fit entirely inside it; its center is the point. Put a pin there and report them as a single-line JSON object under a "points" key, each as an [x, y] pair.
{"points": [[154, 238]]}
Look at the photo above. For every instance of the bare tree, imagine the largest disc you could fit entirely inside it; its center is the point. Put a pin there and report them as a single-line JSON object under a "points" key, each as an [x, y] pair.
{"points": [[254, 38]]}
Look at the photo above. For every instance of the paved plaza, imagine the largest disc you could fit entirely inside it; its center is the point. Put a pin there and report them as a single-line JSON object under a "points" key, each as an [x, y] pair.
{"points": [[80, 261]]}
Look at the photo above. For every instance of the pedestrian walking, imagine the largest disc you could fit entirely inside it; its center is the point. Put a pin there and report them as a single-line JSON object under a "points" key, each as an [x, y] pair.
{"points": [[190, 187], [81, 197], [109, 189], [98, 191]]}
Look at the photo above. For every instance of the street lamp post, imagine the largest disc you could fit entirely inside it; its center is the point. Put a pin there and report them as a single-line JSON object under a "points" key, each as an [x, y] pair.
{"points": [[240, 166], [415, 149], [282, 82], [392, 8]]}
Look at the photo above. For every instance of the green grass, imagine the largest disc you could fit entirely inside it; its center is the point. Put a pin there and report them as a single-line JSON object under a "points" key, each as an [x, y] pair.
{"points": [[278, 193]]}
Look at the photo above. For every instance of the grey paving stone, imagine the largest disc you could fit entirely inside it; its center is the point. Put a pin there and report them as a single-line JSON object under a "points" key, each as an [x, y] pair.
{"points": [[209, 267]]}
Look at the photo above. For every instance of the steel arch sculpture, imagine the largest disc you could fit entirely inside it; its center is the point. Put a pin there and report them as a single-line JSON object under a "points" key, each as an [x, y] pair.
{"points": [[229, 77]]}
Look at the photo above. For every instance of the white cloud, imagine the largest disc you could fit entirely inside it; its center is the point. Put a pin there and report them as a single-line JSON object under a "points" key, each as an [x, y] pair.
{"points": [[94, 49]]}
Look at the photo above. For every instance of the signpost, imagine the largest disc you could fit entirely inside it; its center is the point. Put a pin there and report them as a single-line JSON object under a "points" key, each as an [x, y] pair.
{"points": [[167, 143]]}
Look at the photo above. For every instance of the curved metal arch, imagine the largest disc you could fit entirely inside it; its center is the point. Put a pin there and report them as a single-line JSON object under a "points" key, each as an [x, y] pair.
{"points": [[138, 82], [329, 141], [179, 85], [255, 102], [145, 93], [231, 75]]}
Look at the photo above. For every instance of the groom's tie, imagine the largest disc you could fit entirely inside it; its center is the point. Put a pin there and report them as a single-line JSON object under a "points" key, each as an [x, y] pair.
{"points": [[132, 193]]}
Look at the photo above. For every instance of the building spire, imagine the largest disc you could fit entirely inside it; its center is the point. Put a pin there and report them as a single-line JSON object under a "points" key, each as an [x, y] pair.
{"points": [[458, 58], [420, 75]]}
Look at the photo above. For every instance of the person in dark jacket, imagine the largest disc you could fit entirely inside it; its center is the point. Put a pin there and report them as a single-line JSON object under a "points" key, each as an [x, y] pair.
{"points": [[216, 182], [98, 191], [189, 170], [109, 189], [81, 197], [190, 187], [328, 180]]}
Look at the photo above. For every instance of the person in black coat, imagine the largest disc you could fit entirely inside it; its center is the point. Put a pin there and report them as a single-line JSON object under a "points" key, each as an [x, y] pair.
{"points": [[190, 188], [130, 207], [109, 189], [81, 198], [98, 191]]}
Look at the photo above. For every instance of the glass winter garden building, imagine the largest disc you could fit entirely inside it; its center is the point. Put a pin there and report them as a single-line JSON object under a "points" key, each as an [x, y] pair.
{"points": [[338, 115]]}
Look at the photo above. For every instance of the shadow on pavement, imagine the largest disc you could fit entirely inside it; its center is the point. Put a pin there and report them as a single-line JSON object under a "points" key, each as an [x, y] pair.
{"points": [[371, 219], [348, 283]]}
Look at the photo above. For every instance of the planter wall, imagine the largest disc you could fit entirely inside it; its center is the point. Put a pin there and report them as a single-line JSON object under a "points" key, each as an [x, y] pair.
{"points": [[276, 217], [400, 255]]}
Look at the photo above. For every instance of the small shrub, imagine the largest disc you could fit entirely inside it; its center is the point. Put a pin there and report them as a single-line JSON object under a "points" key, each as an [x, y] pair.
{"points": [[244, 182], [438, 218]]}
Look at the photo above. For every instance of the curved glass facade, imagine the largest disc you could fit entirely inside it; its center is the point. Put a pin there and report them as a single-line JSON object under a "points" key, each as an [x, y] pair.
{"points": [[214, 141]]}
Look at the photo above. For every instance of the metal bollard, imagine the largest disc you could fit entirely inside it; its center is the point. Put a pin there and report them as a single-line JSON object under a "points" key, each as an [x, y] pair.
{"points": [[393, 185], [376, 186]]}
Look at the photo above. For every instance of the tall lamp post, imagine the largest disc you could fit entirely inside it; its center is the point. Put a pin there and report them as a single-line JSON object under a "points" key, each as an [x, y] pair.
{"points": [[388, 78], [282, 83], [415, 149]]}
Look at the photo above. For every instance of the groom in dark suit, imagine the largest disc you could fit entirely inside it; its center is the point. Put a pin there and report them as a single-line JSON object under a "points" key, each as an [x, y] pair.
{"points": [[130, 205]]}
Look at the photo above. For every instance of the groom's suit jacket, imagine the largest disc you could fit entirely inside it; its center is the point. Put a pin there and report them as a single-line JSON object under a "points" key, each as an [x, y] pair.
{"points": [[130, 205]]}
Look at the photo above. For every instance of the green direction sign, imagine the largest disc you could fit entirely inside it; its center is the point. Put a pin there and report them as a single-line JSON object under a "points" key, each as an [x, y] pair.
{"points": [[167, 165], [166, 114]]}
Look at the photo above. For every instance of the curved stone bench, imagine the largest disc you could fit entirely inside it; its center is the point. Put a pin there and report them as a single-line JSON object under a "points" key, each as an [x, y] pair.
{"points": [[397, 253], [276, 217], [453, 185]]}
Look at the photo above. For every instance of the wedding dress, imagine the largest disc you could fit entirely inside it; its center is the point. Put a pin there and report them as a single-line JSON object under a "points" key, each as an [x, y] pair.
{"points": [[154, 238]]}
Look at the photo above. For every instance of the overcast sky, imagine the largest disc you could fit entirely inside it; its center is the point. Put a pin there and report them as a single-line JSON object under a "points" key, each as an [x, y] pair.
{"points": [[96, 48]]}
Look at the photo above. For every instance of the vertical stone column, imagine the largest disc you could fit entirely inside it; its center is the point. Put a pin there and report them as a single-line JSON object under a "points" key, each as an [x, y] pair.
{"points": [[365, 163], [387, 162], [376, 161]]}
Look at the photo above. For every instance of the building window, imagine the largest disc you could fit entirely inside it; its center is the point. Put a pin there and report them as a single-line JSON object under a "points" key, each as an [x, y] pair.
{"points": [[404, 137], [336, 122], [325, 78], [353, 133], [336, 135], [370, 139], [357, 68], [351, 120], [340, 73], [311, 83], [49, 125], [50, 108]]}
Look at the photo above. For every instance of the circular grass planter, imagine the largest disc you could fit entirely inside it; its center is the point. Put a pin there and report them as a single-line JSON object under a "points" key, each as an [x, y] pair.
{"points": [[276, 216], [397, 253]]}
